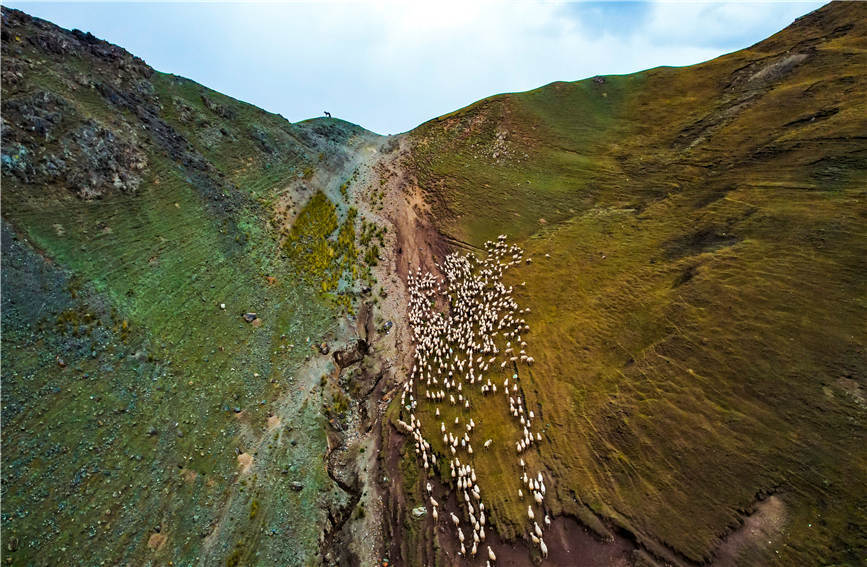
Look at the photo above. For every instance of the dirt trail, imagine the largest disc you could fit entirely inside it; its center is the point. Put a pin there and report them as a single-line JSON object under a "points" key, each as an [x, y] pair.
{"points": [[412, 240], [260, 454], [349, 538]]}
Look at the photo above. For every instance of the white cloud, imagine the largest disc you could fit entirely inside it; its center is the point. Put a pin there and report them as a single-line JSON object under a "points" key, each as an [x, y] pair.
{"points": [[721, 24], [390, 66]]}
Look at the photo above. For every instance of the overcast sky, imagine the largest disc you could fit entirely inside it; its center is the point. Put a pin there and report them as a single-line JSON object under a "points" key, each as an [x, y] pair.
{"points": [[389, 66]]}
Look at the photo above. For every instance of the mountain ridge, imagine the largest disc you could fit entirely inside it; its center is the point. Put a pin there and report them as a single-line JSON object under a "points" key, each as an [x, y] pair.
{"points": [[179, 267]]}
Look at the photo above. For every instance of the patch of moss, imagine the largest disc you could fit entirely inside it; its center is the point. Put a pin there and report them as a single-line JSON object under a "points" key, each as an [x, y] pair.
{"points": [[320, 257]]}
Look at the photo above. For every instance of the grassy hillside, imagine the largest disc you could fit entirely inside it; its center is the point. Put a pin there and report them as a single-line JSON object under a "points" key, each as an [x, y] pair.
{"points": [[137, 231], [697, 295], [699, 327]]}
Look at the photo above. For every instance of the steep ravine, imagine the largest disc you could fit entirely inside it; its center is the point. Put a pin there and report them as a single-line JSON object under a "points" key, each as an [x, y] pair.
{"points": [[178, 389]]}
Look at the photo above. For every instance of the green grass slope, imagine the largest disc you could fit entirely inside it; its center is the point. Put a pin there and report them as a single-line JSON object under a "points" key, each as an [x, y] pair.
{"points": [[699, 328], [135, 203]]}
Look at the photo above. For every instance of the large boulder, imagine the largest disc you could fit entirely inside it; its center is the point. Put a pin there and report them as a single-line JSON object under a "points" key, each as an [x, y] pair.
{"points": [[351, 354]]}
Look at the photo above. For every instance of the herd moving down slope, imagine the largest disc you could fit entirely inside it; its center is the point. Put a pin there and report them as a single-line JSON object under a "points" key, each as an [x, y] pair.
{"points": [[454, 350], [209, 317]]}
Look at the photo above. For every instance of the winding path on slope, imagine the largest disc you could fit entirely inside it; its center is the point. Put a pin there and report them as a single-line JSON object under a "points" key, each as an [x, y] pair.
{"points": [[298, 409]]}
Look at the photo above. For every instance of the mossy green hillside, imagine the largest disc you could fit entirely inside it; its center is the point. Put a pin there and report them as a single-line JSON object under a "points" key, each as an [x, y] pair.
{"points": [[130, 379]]}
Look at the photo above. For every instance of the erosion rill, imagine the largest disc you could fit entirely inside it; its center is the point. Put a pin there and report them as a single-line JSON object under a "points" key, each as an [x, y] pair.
{"points": [[233, 340]]}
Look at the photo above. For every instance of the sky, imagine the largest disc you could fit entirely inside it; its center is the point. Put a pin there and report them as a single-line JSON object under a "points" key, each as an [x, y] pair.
{"points": [[390, 66]]}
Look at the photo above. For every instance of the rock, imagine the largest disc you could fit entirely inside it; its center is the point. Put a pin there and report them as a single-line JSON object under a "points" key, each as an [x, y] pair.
{"points": [[324, 348], [262, 139], [184, 111], [16, 161], [106, 162], [297, 486], [218, 109], [419, 512], [222, 306], [351, 354], [39, 114], [249, 317]]}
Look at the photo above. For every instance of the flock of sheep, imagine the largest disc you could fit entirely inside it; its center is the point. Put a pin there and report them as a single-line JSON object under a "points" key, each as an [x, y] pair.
{"points": [[461, 325]]}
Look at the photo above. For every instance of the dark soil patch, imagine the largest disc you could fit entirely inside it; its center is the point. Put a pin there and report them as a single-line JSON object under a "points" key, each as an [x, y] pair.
{"points": [[698, 242]]}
